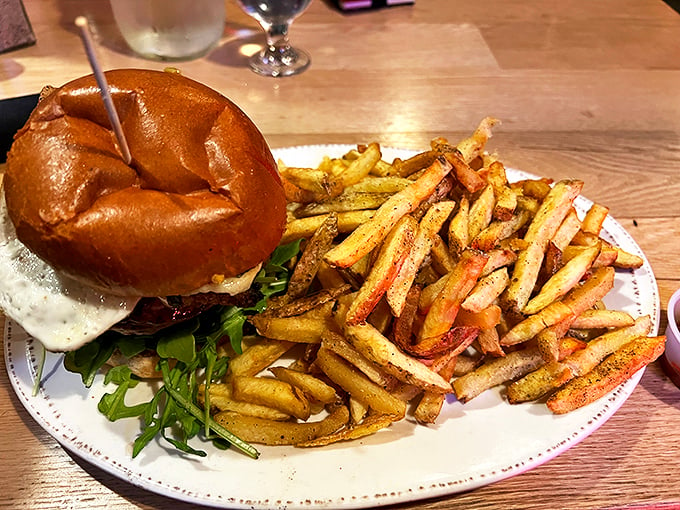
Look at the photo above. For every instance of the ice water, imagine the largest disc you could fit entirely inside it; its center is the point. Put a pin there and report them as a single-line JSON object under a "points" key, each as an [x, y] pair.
{"points": [[170, 29]]}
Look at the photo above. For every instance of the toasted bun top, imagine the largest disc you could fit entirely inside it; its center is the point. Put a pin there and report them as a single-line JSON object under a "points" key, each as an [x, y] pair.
{"points": [[201, 198]]}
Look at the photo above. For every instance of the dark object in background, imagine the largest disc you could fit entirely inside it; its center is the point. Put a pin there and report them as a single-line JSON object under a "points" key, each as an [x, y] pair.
{"points": [[14, 113], [352, 5], [15, 29]]}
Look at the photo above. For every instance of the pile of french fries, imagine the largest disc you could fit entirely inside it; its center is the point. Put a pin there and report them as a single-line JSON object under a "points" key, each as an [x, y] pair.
{"points": [[428, 276]]}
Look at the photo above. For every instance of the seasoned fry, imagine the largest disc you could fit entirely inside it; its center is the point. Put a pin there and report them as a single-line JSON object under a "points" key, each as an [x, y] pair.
{"points": [[270, 432], [221, 398], [598, 319], [370, 425], [422, 244], [302, 328], [618, 367], [345, 202], [258, 356], [576, 301], [460, 282], [368, 341], [564, 280], [496, 371], [594, 218], [459, 228], [368, 235], [391, 257], [358, 385], [304, 228], [481, 211], [541, 229], [271, 393], [310, 259], [312, 386], [486, 290]]}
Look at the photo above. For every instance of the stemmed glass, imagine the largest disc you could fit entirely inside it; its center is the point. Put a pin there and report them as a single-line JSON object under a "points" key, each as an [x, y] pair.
{"points": [[278, 57]]}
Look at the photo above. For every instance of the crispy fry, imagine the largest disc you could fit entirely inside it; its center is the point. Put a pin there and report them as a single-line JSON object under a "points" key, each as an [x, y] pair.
{"points": [[391, 257], [304, 228], [442, 313], [422, 244], [598, 319], [618, 367], [358, 385], [486, 290], [370, 425], [310, 259], [459, 228], [555, 374], [270, 432], [312, 386], [345, 202], [301, 328], [221, 398], [497, 371], [570, 225], [481, 211], [563, 281], [577, 300], [368, 235], [257, 357], [541, 229], [368, 341], [272, 393], [594, 218]]}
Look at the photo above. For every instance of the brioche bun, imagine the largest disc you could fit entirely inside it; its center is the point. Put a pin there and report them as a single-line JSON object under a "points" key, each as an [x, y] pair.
{"points": [[201, 200]]}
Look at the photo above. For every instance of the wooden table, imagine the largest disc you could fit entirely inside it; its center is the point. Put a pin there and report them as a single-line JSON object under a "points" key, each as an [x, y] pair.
{"points": [[584, 89]]}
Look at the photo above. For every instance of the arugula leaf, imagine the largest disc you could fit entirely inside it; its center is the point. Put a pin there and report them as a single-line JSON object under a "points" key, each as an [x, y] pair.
{"points": [[172, 414]]}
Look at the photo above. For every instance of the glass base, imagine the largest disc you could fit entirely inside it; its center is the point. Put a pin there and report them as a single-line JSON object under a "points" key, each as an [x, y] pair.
{"points": [[278, 62]]}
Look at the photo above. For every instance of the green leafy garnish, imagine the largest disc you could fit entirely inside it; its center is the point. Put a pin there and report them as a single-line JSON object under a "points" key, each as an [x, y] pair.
{"points": [[188, 358]]}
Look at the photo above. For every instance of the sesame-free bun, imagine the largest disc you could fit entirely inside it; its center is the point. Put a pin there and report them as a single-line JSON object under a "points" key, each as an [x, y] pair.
{"points": [[201, 198]]}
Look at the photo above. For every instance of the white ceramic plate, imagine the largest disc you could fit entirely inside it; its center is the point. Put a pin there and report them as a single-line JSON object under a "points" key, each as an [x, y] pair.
{"points": [[488, 439]]}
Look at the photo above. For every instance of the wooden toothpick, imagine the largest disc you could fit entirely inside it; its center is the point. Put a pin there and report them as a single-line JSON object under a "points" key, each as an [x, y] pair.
{"points": [[82, 24]]}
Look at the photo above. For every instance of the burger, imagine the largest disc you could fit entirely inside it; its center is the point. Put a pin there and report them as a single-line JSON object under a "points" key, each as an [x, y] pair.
{"points": [[90, 243]]}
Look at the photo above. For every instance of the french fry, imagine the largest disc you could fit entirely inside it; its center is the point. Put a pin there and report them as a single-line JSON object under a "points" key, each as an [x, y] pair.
{"points": [[257, 357], [339, 345], [570, 225], [471, 147], [496, 371], [422, 244], [311, 257], [221, 398], [576, 301], [391, 257], [459, 228], [357, 385], [497, 231], [271, 393], [372, 184], [370, 425], [310, 385], [541, 229], [368, 235], [486, 290], [345, 202], [481, 211], [563, 281], [594, 218], [470, 179], [555, 374], [442, 313], [374, 346], [303, 228], [409, 166], [270, 432], [301, 328], [599, 319], [361, 166], [618, 367]]}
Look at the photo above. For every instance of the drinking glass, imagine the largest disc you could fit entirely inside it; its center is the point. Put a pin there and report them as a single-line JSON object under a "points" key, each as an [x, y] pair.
{"points": [[278, 57], [170, 29]]}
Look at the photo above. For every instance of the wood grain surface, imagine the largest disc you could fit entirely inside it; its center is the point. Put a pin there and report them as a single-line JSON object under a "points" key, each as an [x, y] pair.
{"points": [[586, 89]]}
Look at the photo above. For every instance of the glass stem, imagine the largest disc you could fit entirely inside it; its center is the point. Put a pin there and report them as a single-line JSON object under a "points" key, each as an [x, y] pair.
{"points": [[277, 39]]}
